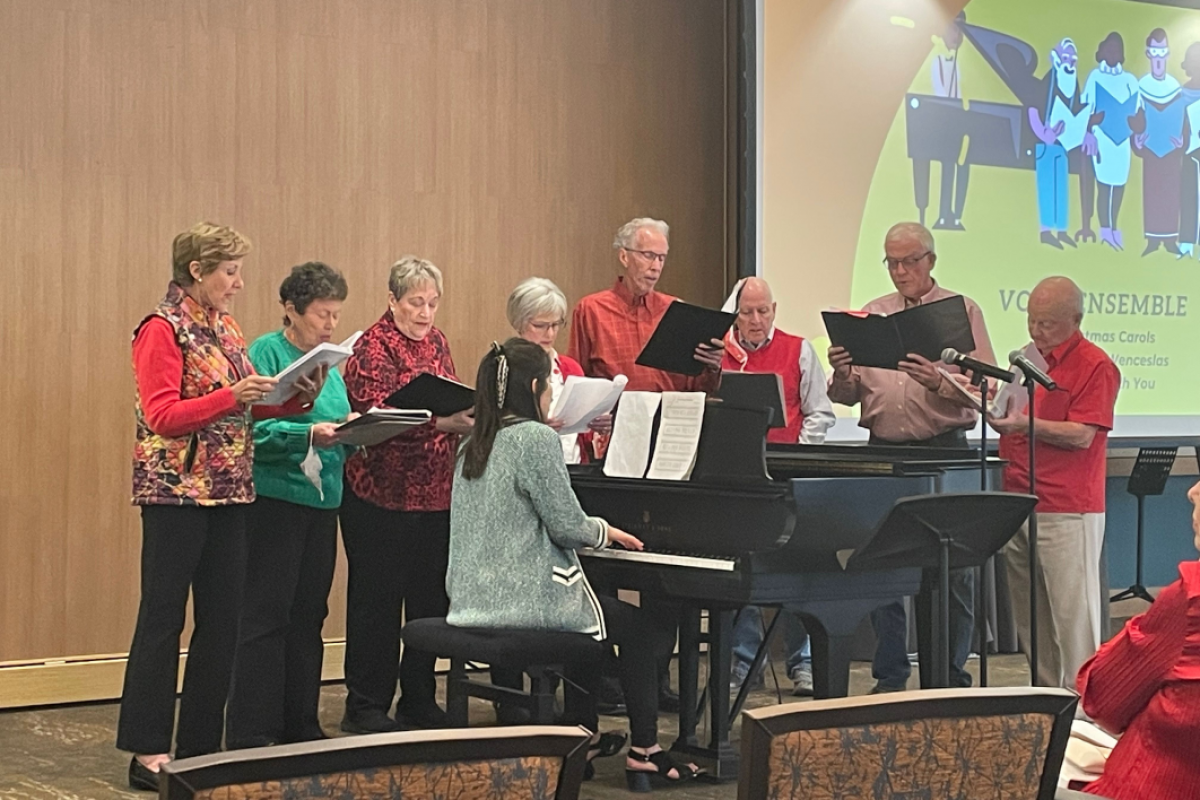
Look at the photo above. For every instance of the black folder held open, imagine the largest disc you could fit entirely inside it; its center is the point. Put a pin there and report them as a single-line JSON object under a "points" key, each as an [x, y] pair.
{"points": [[876, 340], [672, 346], [442, 397]]}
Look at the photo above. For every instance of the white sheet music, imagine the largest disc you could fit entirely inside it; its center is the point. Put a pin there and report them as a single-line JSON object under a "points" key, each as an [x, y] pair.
{"points": [[584, 399], [678, 436], [1013, 398], [629, 448]]}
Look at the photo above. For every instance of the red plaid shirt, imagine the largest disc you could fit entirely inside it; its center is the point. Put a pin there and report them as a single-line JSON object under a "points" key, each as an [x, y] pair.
{"points": [[412, 471], [609, 330]]}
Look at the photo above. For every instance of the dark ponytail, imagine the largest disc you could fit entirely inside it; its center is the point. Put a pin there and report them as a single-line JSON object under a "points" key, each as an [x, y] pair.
{"points": [[504, 393]]}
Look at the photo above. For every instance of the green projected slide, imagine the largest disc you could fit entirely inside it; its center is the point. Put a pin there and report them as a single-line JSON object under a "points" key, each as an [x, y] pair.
{"points": [[1061, 137]]}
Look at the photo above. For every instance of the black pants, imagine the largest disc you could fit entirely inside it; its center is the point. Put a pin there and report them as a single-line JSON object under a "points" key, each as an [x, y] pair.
{"points": [[643, 638], [397, 559], [290, 554], [1109, 204], [184, 548]]}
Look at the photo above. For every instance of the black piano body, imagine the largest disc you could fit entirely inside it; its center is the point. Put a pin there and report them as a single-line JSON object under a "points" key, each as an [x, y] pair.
{"points": [[719, 545]]}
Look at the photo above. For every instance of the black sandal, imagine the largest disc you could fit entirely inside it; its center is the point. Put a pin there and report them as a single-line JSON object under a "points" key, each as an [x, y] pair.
{"points": [[609, 744], [643, 780]]}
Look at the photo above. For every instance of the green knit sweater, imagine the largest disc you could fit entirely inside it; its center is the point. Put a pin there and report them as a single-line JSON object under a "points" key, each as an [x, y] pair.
{"points": [[281, 444], [513, 536]]}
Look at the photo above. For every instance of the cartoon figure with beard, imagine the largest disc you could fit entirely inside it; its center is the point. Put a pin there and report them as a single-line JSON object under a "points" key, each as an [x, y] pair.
{"points": [[1059, 125]]}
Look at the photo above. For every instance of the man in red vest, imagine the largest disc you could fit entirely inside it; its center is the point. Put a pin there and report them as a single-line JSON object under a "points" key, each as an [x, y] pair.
{"points": [[758, 346]]}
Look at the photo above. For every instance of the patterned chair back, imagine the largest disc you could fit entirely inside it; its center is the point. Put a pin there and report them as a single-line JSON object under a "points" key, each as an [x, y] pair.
{"points": [[958, 744], [521, 763]]}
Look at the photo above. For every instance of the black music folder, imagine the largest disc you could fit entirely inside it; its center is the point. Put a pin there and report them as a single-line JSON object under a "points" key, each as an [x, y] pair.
{"points": [[753, 390], [440, 396], [672, 346], [876, 340]]}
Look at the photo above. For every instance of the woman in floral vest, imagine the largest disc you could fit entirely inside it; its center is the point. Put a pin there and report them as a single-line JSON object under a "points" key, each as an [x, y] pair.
{"points": [[192, 478]]}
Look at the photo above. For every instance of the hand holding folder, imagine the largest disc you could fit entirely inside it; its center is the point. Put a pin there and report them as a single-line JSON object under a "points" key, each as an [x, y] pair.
{"points": [[681, 332], [878, 340]]}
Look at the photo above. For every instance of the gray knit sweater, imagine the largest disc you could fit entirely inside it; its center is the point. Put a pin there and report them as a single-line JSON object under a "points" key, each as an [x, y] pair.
{"points": [[513, 536]]}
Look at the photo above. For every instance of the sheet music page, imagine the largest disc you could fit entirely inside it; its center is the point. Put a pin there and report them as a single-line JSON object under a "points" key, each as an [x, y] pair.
{"points": [[1013, 398], [584, 399], [678, 436], [629, 448], [1074, 125]]}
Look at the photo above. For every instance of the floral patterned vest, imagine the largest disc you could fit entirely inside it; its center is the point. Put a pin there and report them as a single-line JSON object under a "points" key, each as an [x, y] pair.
{"points": [[211, 466]]}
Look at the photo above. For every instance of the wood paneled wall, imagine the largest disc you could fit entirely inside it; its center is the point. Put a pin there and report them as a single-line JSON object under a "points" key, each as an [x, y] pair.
{"points": [[499, 138]]}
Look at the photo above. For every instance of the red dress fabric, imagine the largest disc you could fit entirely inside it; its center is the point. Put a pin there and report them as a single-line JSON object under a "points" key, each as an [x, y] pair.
{"points": [[609, 330], [1146, 683], [412, 471]]}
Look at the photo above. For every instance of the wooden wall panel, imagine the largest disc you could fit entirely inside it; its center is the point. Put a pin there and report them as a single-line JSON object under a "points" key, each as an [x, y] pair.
{"points": [[499, 138]]}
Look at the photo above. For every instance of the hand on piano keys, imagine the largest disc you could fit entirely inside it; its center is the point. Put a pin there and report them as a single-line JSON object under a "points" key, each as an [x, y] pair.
{"points": [[625, 540]]}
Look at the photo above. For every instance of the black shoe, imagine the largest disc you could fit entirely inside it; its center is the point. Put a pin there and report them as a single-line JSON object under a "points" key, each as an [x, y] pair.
{"points": [[142, 777], [1171, 247], [250, 742], [372, 721], [1151, 246], [1066, 239], [424, 716], [314, 734]]}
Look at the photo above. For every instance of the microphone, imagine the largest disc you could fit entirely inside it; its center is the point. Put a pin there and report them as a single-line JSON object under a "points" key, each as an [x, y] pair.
{"points": [[1031, 370], [957, 359]]}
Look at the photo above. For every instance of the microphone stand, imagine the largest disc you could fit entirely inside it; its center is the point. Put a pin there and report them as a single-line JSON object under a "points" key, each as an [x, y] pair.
{"points": [[1030, 388], [980, 380]]}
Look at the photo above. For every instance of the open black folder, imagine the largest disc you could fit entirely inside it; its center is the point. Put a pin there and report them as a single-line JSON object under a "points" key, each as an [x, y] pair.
{"points": [[672, 346], [875, 340], [440, 396]]}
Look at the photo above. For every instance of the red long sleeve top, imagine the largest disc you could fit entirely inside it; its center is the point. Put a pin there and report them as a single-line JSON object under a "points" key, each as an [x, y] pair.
{"points": [[158, 364], [1146, 683]]}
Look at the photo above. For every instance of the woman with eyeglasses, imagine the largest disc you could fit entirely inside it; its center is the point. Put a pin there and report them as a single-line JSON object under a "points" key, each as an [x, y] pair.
{"points": [[537, 311], [515, 527]]}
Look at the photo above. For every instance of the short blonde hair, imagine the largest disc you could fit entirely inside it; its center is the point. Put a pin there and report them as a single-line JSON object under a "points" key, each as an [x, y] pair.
{"points": [[209, 244], [534, 297], [409, 272]]}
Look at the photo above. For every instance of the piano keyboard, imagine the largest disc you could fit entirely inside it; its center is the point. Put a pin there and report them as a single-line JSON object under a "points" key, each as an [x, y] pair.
{"points": [[664, 559]]}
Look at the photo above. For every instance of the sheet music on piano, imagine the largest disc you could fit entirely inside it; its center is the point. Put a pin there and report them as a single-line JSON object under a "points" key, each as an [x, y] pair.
{"points": [[678, 436], [629, 448]]}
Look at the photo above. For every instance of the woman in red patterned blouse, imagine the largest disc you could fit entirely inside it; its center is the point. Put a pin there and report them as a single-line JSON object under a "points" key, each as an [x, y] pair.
{"points": [[396, 511], [1145, 684]]}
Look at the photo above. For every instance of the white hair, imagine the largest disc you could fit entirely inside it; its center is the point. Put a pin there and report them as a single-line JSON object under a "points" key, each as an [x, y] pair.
{"points": [[914, 230], [532, 298], [409, 272], [627, 234]]}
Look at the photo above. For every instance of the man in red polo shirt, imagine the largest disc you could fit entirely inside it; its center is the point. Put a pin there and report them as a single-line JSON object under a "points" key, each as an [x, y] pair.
{"points": [[610, 328], [1071, 426]]}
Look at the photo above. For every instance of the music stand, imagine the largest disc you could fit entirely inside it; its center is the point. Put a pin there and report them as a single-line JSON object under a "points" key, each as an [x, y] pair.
{"points": [[1149, 477], [945, 531]]}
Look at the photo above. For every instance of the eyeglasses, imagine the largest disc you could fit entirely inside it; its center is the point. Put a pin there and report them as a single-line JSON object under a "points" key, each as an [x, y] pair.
{"points": [[545, 327], [649, 255], [894, 264]]}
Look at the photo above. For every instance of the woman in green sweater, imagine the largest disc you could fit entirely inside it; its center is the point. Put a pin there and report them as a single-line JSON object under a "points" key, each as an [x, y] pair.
{"points": [[515, 526], [291, 531]]}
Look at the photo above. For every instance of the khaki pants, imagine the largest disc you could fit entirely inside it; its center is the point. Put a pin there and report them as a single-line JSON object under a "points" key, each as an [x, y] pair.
{"points": [[1068, 587]]}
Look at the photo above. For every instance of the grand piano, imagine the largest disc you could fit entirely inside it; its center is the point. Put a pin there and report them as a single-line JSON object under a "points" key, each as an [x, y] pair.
{"points": [[761, 526], [978, 133]]}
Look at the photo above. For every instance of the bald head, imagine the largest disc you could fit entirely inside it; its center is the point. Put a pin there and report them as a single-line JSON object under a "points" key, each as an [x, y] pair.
{"points": [[1055, 312], [756, 311]]}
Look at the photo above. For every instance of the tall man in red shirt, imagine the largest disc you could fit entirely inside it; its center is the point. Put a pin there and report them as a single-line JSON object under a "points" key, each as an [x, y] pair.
{"points": [[610, 328], [1071, 426], [913, 406]]}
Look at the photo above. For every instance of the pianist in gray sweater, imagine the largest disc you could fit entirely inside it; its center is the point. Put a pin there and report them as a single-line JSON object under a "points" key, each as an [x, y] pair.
{"points": [[515, 527]]}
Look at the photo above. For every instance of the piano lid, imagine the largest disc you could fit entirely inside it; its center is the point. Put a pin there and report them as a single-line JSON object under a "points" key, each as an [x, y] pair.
{"points": [[1013, 60]]}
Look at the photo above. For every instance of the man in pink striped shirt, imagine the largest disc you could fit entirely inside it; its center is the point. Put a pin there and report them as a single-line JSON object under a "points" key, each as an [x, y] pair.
{"points": [[915, 405]]}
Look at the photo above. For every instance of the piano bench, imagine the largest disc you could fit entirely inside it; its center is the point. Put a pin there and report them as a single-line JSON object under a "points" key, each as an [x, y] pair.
{"points": [[541, 654]]}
